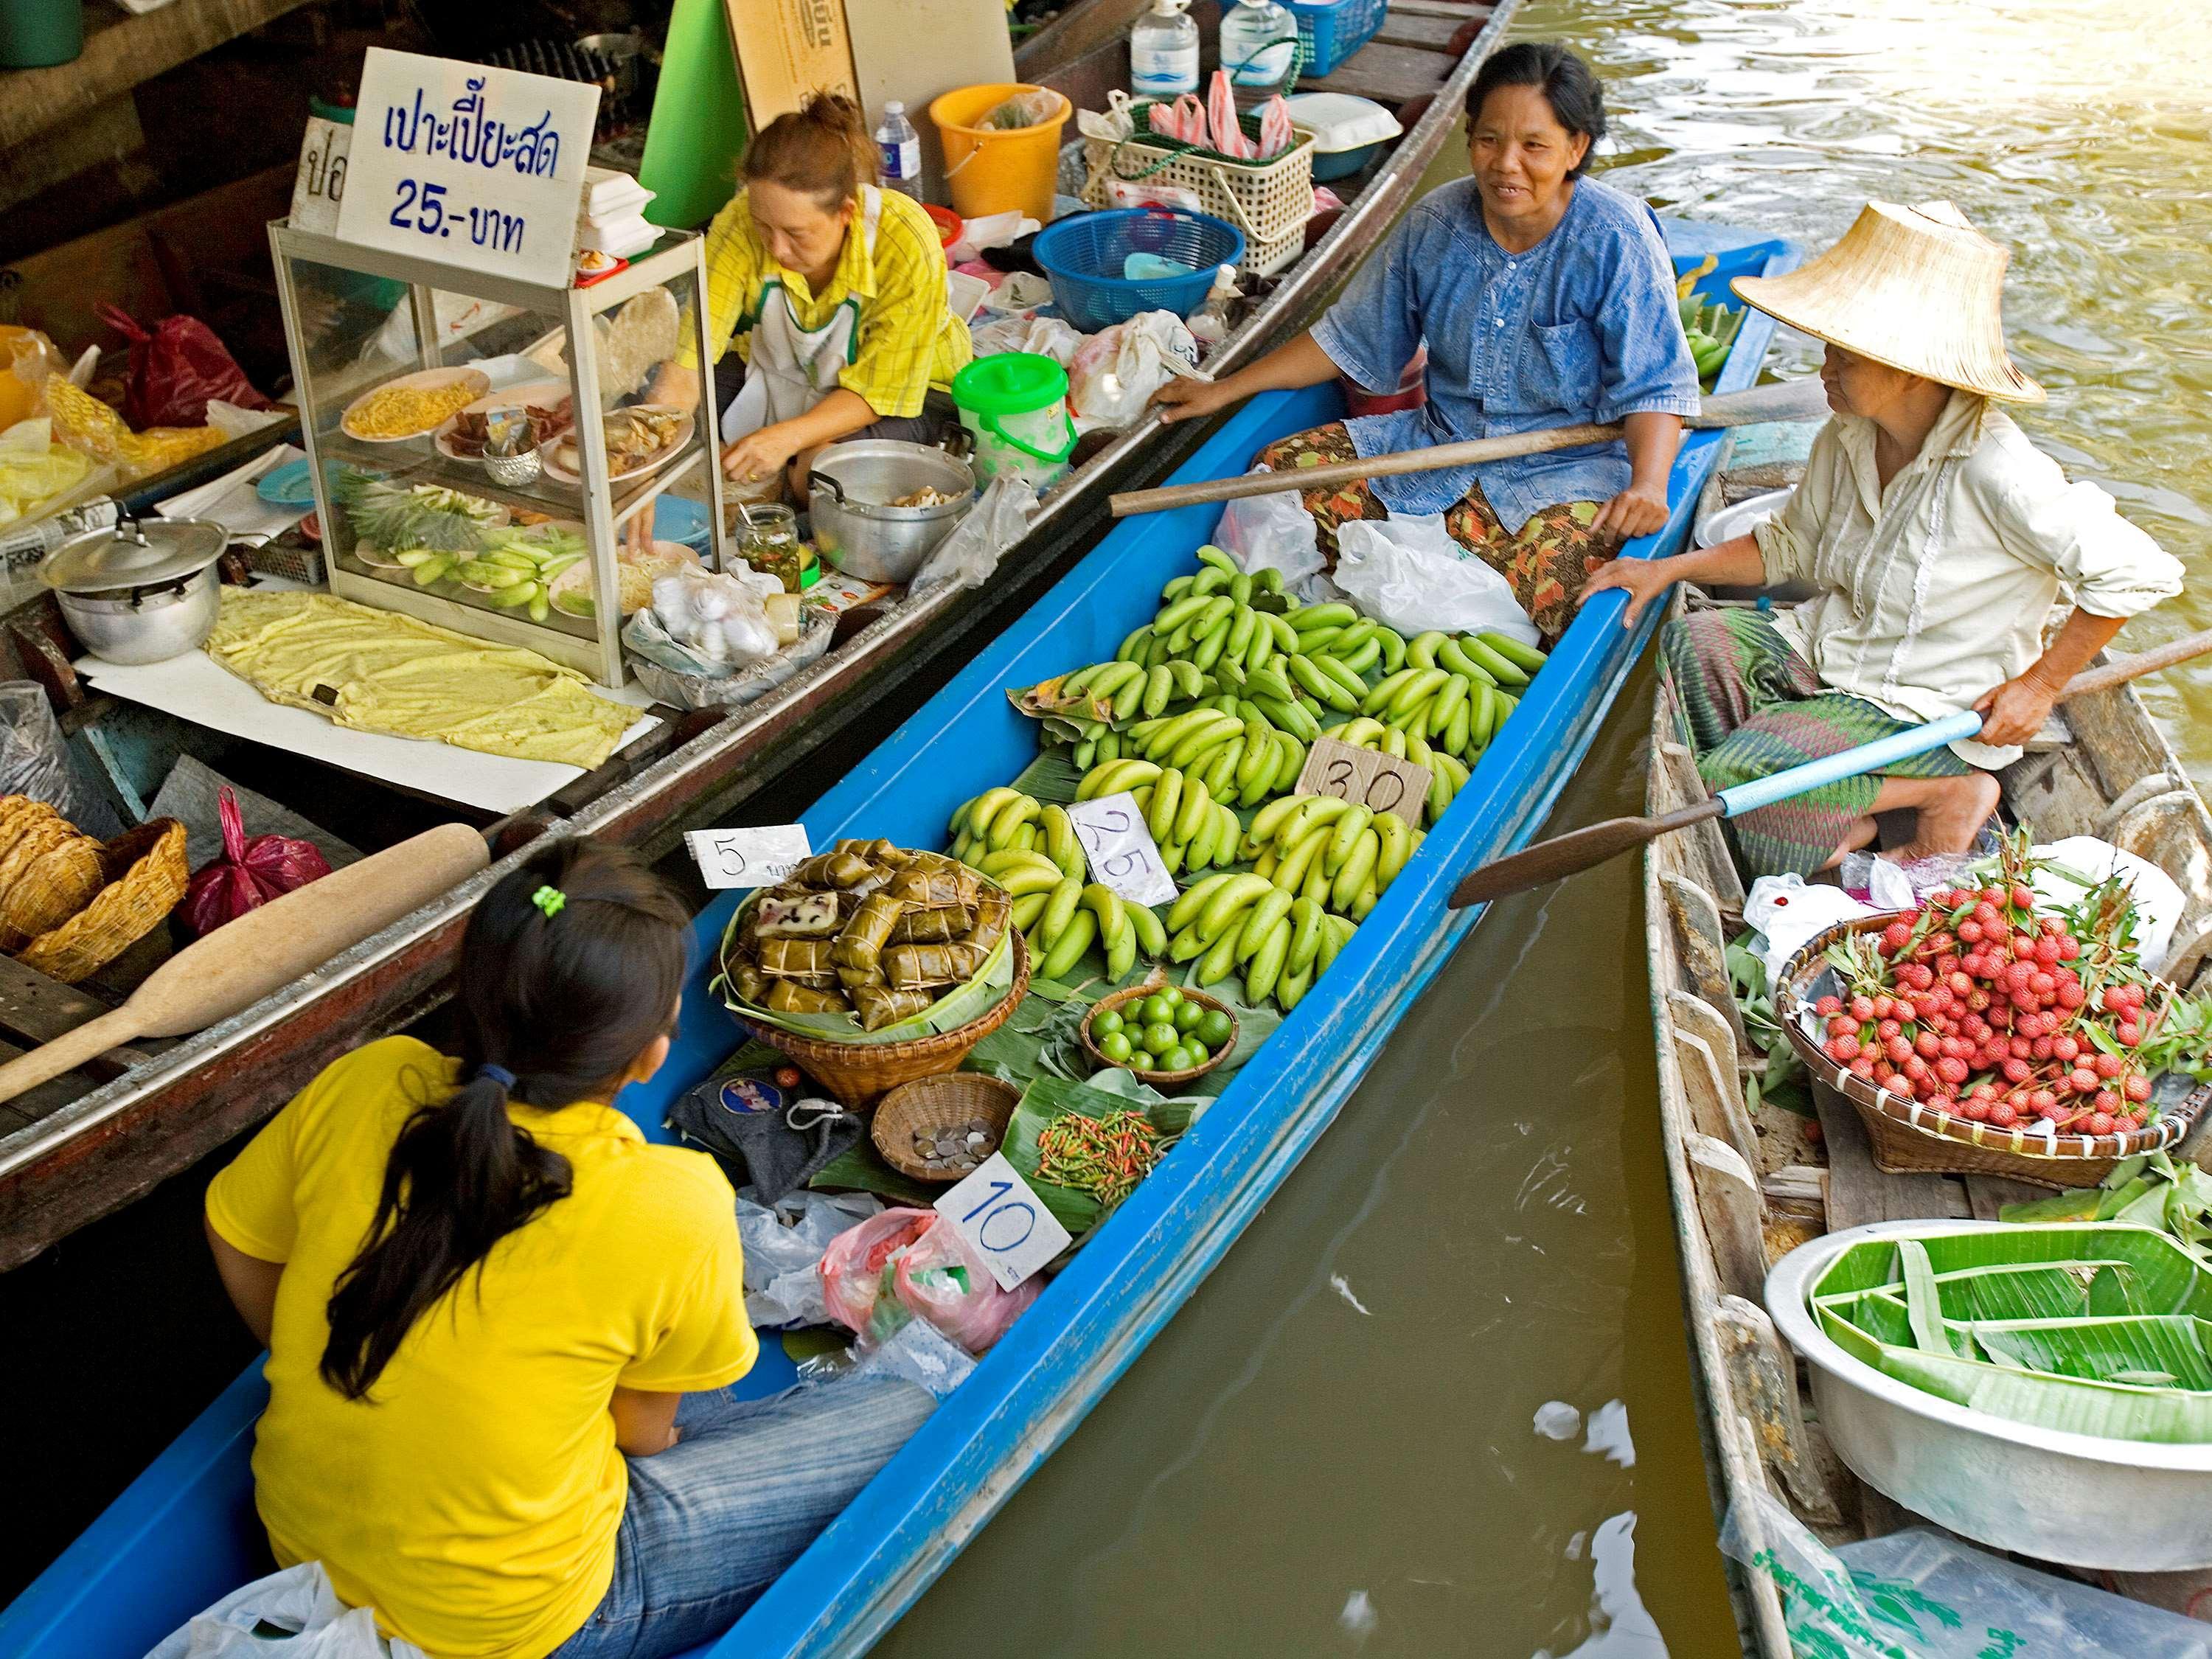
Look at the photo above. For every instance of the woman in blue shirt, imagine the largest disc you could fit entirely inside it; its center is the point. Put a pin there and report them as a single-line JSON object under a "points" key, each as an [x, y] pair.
{"points": [[1546, 299]]}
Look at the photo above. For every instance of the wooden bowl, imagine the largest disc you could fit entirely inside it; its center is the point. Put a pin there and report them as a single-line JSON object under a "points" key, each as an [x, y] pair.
{"points": [[937, 1102], [1137, 992]]}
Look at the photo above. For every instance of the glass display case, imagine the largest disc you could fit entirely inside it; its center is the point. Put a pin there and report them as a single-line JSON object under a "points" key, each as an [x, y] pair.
{"points": [[453, 481]]}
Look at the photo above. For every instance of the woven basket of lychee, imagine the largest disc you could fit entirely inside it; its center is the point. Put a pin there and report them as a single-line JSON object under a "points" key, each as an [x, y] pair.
{"points": [[1987, 1032]]}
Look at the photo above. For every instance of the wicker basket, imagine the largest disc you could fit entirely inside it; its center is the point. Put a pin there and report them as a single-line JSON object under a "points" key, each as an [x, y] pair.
{"points": [[1137, 992], [146, 877], [936, 1103], [1268, 201], [48, 872], [1909, 1139], [858, 1073]]}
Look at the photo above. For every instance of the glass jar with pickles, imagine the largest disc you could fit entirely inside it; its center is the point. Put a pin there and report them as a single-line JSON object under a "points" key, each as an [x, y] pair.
{"points": [[768, 540]]}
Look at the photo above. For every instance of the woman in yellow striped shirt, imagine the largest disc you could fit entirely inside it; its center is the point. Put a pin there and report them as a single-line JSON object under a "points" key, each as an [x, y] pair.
{"points": [[834, 291]]}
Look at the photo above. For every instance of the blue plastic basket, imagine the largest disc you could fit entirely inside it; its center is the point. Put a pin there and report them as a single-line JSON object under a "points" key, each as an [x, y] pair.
{"points": [[1083, 256], [1332, 33]]}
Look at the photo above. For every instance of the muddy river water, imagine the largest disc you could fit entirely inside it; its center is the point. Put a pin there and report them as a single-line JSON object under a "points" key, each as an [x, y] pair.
{"points": [[1334, 1448]]}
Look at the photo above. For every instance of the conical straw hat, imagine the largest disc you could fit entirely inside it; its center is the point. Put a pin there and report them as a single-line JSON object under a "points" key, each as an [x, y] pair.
{"points": [[1917, 288]]}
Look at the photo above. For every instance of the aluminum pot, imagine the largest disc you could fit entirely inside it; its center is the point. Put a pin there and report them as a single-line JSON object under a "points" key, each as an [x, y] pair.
{"points": [[140, 593], [853, 528], [2121, 1505]]}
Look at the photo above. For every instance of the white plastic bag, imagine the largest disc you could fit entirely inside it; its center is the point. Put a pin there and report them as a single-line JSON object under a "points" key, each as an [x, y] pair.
{"points": [[1113, 377], [782, 1247], [1043, 336], [1019, 291], [1410, 575], [992, 230], [1787, 911], [968, 556], [2158, 900], [299, 1599], [1271, 533]]}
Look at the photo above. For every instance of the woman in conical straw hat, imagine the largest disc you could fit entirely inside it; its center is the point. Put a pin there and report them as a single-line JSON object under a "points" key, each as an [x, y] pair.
{"points": [[1938, 540]]}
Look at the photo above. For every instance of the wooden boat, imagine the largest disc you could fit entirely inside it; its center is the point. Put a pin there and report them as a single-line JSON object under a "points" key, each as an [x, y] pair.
{"points": [[184, 1533], [96, 1139], [1747, 1187]]}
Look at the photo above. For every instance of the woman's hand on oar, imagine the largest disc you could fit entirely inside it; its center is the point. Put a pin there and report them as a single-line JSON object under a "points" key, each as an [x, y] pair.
{"points": [[1736, 563]]}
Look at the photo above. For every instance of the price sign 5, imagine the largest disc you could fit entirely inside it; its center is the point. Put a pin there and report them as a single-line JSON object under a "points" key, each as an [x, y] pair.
{"points": [[1000, 1214], [759, 856], [1366, 778], [1123, 854]]}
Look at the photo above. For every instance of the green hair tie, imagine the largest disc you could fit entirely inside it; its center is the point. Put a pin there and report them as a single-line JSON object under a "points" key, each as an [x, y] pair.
{"points": [[550, 899]]}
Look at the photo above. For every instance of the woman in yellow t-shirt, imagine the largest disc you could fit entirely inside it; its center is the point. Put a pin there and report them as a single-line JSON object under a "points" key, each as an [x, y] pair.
{"points": [[501, 1325], [834, 291]]}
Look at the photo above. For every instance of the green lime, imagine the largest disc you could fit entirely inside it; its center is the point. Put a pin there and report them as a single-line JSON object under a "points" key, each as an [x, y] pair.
{"points": [[1115, 1045], [1144, 1060], [1160, 1036], [1170, 994], [1179, 1059], [1156, 1010], [1107, 1023], [1188, 1016], [1214, 1030]]}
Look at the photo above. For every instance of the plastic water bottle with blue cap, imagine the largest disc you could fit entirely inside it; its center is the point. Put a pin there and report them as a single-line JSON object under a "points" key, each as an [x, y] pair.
{"points": [[900, 146], [1259, 44]]}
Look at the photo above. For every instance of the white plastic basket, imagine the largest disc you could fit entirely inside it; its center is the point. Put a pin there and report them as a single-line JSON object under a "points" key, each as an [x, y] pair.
{"points": [[1270, 202]]}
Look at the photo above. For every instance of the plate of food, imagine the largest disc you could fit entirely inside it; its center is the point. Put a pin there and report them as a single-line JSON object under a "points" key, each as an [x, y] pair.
{"points": [[460, 437], [574, 591], [412, 405], [639, 439]]}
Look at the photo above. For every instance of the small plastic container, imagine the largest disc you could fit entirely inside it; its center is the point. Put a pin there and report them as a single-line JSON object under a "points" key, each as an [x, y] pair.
{"points": [[1014, 403], [1347, 132]]}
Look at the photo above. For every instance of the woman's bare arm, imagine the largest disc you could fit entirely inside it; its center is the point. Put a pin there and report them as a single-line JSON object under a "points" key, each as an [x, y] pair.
{"points": [[250, 1282], [645, 1423], [1733, 563], [1301, 363]]}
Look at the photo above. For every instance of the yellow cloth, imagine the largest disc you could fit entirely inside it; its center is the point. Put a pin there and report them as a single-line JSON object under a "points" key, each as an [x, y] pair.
{"points": [[393, 674], [909, 338], [473, 1499]]}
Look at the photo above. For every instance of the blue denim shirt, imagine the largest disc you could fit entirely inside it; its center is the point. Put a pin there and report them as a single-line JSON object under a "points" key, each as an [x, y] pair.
{"points": [[1581, 327]]}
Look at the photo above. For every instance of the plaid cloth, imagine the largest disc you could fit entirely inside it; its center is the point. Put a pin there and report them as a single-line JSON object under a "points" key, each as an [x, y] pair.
{"points": [[1547, 560], [1753, 707], [907, 340]]}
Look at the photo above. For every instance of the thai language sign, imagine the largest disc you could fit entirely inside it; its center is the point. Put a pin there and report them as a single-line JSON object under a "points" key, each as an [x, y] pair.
{"points": [[468, 165]]}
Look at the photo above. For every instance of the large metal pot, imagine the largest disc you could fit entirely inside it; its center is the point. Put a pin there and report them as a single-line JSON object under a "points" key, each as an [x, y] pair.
{"points": [[141, 592], [855, 530]]}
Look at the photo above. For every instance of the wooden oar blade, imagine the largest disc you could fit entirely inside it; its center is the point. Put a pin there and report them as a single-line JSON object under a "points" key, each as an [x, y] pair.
{"points": [[1572, 854], [1801, 399]]}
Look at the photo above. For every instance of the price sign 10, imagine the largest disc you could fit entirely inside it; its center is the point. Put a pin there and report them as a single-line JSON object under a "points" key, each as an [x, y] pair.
{"points": [[1001, 1216]]}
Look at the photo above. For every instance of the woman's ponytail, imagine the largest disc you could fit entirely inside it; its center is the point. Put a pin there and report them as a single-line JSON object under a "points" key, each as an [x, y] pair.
{"points": [[823, 149], [570, 969]]}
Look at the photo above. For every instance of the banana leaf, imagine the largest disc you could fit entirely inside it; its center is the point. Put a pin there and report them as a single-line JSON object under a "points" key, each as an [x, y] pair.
{"points": [[1046, 698], [2099, 1327], [1048, 1098]]}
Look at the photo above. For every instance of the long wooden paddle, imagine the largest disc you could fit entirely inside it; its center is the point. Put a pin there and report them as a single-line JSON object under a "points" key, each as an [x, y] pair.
{"points": [[265, 950], [1785, 400], [1583, 849]]}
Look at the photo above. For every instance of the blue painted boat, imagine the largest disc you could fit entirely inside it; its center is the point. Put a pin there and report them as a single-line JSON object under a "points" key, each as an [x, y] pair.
{"points": [[184, 1533]]}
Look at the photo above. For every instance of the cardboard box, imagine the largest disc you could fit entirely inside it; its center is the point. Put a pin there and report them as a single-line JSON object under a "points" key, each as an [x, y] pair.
{"points": [[787, 49], [916, 50]]}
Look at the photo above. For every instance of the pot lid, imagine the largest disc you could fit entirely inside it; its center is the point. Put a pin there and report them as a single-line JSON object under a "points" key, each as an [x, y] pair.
{"points": [[135, 553]]}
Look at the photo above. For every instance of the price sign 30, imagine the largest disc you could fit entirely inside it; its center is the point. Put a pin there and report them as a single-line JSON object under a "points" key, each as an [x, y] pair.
{"points": [[1363, 776]]}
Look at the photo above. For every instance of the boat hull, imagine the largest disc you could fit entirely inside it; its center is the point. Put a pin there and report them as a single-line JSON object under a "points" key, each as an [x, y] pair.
{"points": [[189, 1516]]}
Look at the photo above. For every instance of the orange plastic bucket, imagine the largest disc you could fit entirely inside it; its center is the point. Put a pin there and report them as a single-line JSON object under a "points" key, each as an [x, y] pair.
{"points": [[991, 170]]}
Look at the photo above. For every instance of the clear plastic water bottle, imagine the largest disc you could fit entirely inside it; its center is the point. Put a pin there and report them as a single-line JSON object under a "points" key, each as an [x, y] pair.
{"points": [[1259, 43], [901, 148], [1164, 51]]}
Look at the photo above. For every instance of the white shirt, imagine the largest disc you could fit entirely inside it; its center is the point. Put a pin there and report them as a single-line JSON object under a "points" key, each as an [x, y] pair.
{"points": [[1939, 587]]}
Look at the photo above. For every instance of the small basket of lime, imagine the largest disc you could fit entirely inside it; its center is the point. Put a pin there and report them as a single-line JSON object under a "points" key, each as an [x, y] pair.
{"points": [[1166, 1034]]}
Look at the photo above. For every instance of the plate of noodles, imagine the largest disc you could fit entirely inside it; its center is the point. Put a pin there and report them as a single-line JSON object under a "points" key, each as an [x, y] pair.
{"points": [[412, 405]]}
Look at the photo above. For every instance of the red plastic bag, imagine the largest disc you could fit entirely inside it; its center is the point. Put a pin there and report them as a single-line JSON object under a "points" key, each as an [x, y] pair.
{"points": [[175, 369], [248, 874], [876, 1276]]}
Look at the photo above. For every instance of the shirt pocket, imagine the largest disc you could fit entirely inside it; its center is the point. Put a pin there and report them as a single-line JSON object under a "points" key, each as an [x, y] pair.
{"points": [[1558, 371]]}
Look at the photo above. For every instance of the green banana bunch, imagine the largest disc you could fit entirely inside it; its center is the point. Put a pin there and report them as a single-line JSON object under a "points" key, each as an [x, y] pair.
{"points": [[993, 821], [1453, 693], [1191, 827], [1337, 632], [1340, 855], [1061, 921], [1233, 742], [1281, 940], [1448, 774]]}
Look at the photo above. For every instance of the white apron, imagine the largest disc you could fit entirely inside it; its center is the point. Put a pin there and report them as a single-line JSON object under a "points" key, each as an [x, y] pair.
{"points": [[789, 369]]}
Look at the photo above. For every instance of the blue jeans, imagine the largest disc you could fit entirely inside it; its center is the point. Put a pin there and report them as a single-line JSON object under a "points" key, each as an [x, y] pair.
{"points": [[710, 1523]]}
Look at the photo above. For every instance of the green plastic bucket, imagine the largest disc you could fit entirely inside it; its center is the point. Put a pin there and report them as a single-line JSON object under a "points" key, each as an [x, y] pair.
{"points": [[39, 34], [1015, 405]]}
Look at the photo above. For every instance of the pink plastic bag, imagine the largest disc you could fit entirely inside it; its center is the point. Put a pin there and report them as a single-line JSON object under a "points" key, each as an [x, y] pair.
{"points": [[1229, 137], [1275, 134], [175, 370], [1184, 120], [876, 1276]]}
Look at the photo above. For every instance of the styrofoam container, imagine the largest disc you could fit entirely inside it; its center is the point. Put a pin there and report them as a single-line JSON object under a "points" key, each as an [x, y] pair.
{"points": [[1347, 131], [2078, 1499]]}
